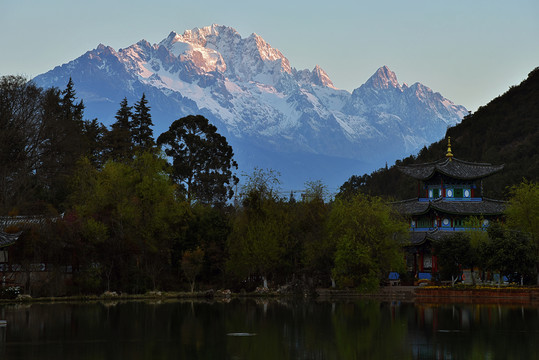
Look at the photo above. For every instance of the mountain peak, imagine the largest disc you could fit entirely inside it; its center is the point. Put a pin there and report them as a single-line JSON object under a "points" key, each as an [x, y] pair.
{"points": [[384, 78], [320, 77], [198, 35], [248, 89], [266, 51]]}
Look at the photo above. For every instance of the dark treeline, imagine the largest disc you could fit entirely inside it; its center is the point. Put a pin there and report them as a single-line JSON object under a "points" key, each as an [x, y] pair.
{"points": [[132, 212], [505, 131]]}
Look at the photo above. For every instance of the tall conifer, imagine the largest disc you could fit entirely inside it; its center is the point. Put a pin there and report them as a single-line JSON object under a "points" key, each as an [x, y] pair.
{"points": [[118, 140], [141, 129]]}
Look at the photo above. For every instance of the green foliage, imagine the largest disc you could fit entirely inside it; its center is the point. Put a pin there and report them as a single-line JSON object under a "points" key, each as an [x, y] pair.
{"points": [[263, 183], [316, 191], [509, 252], [366, 233], [129, 211], [523, 209], [475, 232], [260, 230], [208, 227], [454, 253], [256, 243], [202, 160], [523, 214], [309, 233]]}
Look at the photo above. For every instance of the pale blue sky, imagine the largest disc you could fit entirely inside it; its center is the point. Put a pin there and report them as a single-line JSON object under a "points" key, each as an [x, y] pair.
{"points": [[468, 50]]}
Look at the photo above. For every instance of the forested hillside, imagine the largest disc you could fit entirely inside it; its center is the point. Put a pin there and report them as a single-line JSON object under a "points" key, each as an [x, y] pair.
{"points": [[505, 131]]}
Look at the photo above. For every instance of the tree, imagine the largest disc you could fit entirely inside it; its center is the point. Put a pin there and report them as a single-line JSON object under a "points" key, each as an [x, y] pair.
{"points": [[262, 183], [71, 110], [65, 145], [454, 252], [309, 232], [477, 237], [523, 213], [509, 252], [94, 136], [141, 128], [131, 215], [209, 227], [42, 136], [368, 240], [118, 140], [260, 229], [192, 262], [20, 140], [316, 191], [202, 159]]}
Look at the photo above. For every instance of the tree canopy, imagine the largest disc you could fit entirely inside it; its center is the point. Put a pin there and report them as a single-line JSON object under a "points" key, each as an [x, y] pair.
{"points": [[202, 159], [368, 239]]}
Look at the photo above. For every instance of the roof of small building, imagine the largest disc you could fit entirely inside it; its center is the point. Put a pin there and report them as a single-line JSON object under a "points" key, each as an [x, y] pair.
{"points": [[21, 222], [454, 168], [8, 239], [27, 220], [466, 207]]}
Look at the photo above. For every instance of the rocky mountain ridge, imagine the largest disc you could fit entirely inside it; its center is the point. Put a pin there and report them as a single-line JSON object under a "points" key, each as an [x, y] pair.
{"points": [[294, 121]]}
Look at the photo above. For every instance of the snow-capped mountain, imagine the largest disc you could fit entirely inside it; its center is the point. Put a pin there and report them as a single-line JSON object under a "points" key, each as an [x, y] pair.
{"points": [[294, 121]]}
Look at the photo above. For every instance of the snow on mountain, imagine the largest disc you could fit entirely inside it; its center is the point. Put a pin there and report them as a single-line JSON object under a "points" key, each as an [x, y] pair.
{"points": [[267, 109]]}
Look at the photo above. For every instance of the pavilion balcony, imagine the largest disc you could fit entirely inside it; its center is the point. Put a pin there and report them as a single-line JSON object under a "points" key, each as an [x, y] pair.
{"points": [[451, 199]]}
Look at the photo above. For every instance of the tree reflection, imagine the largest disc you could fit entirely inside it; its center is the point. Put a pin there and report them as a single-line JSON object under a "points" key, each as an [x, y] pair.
{"points": [[278, 329]]}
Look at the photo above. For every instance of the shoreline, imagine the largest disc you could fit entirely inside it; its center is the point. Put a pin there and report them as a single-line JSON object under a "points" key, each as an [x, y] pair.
{"points": [[413, 294]]}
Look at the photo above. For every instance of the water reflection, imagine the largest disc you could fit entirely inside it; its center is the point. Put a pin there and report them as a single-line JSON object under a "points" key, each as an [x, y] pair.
{"points": [[268, 329]]}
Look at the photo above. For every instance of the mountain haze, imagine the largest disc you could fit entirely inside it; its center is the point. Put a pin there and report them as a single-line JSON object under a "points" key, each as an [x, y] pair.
{"points": [[274, 116]]}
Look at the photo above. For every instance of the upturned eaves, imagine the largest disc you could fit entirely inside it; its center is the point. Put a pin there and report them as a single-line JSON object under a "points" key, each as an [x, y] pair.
{"points": [[420, 237], [454, 168], [7, 239], [455, 207]]}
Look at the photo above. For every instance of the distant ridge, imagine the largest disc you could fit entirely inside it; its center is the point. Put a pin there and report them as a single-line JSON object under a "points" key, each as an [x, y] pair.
{"points": [[505, 131], [273, 114]]}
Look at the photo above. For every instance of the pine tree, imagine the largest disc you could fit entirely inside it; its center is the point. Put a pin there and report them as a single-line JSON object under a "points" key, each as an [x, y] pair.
{"points": [[71, 110], [63, 127], [141, 128], [118, 140]]}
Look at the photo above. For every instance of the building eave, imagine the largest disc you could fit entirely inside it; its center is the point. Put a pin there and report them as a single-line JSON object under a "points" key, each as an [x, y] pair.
{"points": [[454, 168]]}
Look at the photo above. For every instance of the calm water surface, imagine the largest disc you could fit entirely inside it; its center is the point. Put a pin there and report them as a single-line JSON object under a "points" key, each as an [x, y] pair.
{"points": [[256, 329]]}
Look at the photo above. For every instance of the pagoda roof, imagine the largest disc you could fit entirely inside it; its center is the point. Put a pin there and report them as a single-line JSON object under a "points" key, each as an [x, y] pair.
{"points": [[8, 239], [467, 207], [454, 168], [420, 237]]}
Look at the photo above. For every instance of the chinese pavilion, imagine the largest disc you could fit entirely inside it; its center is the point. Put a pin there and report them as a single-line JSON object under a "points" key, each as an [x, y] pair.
{"points": [[449, 191]]}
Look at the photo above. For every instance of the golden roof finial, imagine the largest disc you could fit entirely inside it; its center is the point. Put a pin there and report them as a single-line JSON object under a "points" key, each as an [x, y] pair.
{"points": [[449, 154]]}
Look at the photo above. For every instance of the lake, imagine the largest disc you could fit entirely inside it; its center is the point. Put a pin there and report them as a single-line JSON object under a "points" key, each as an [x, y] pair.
{"points": [[268, 329]]}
